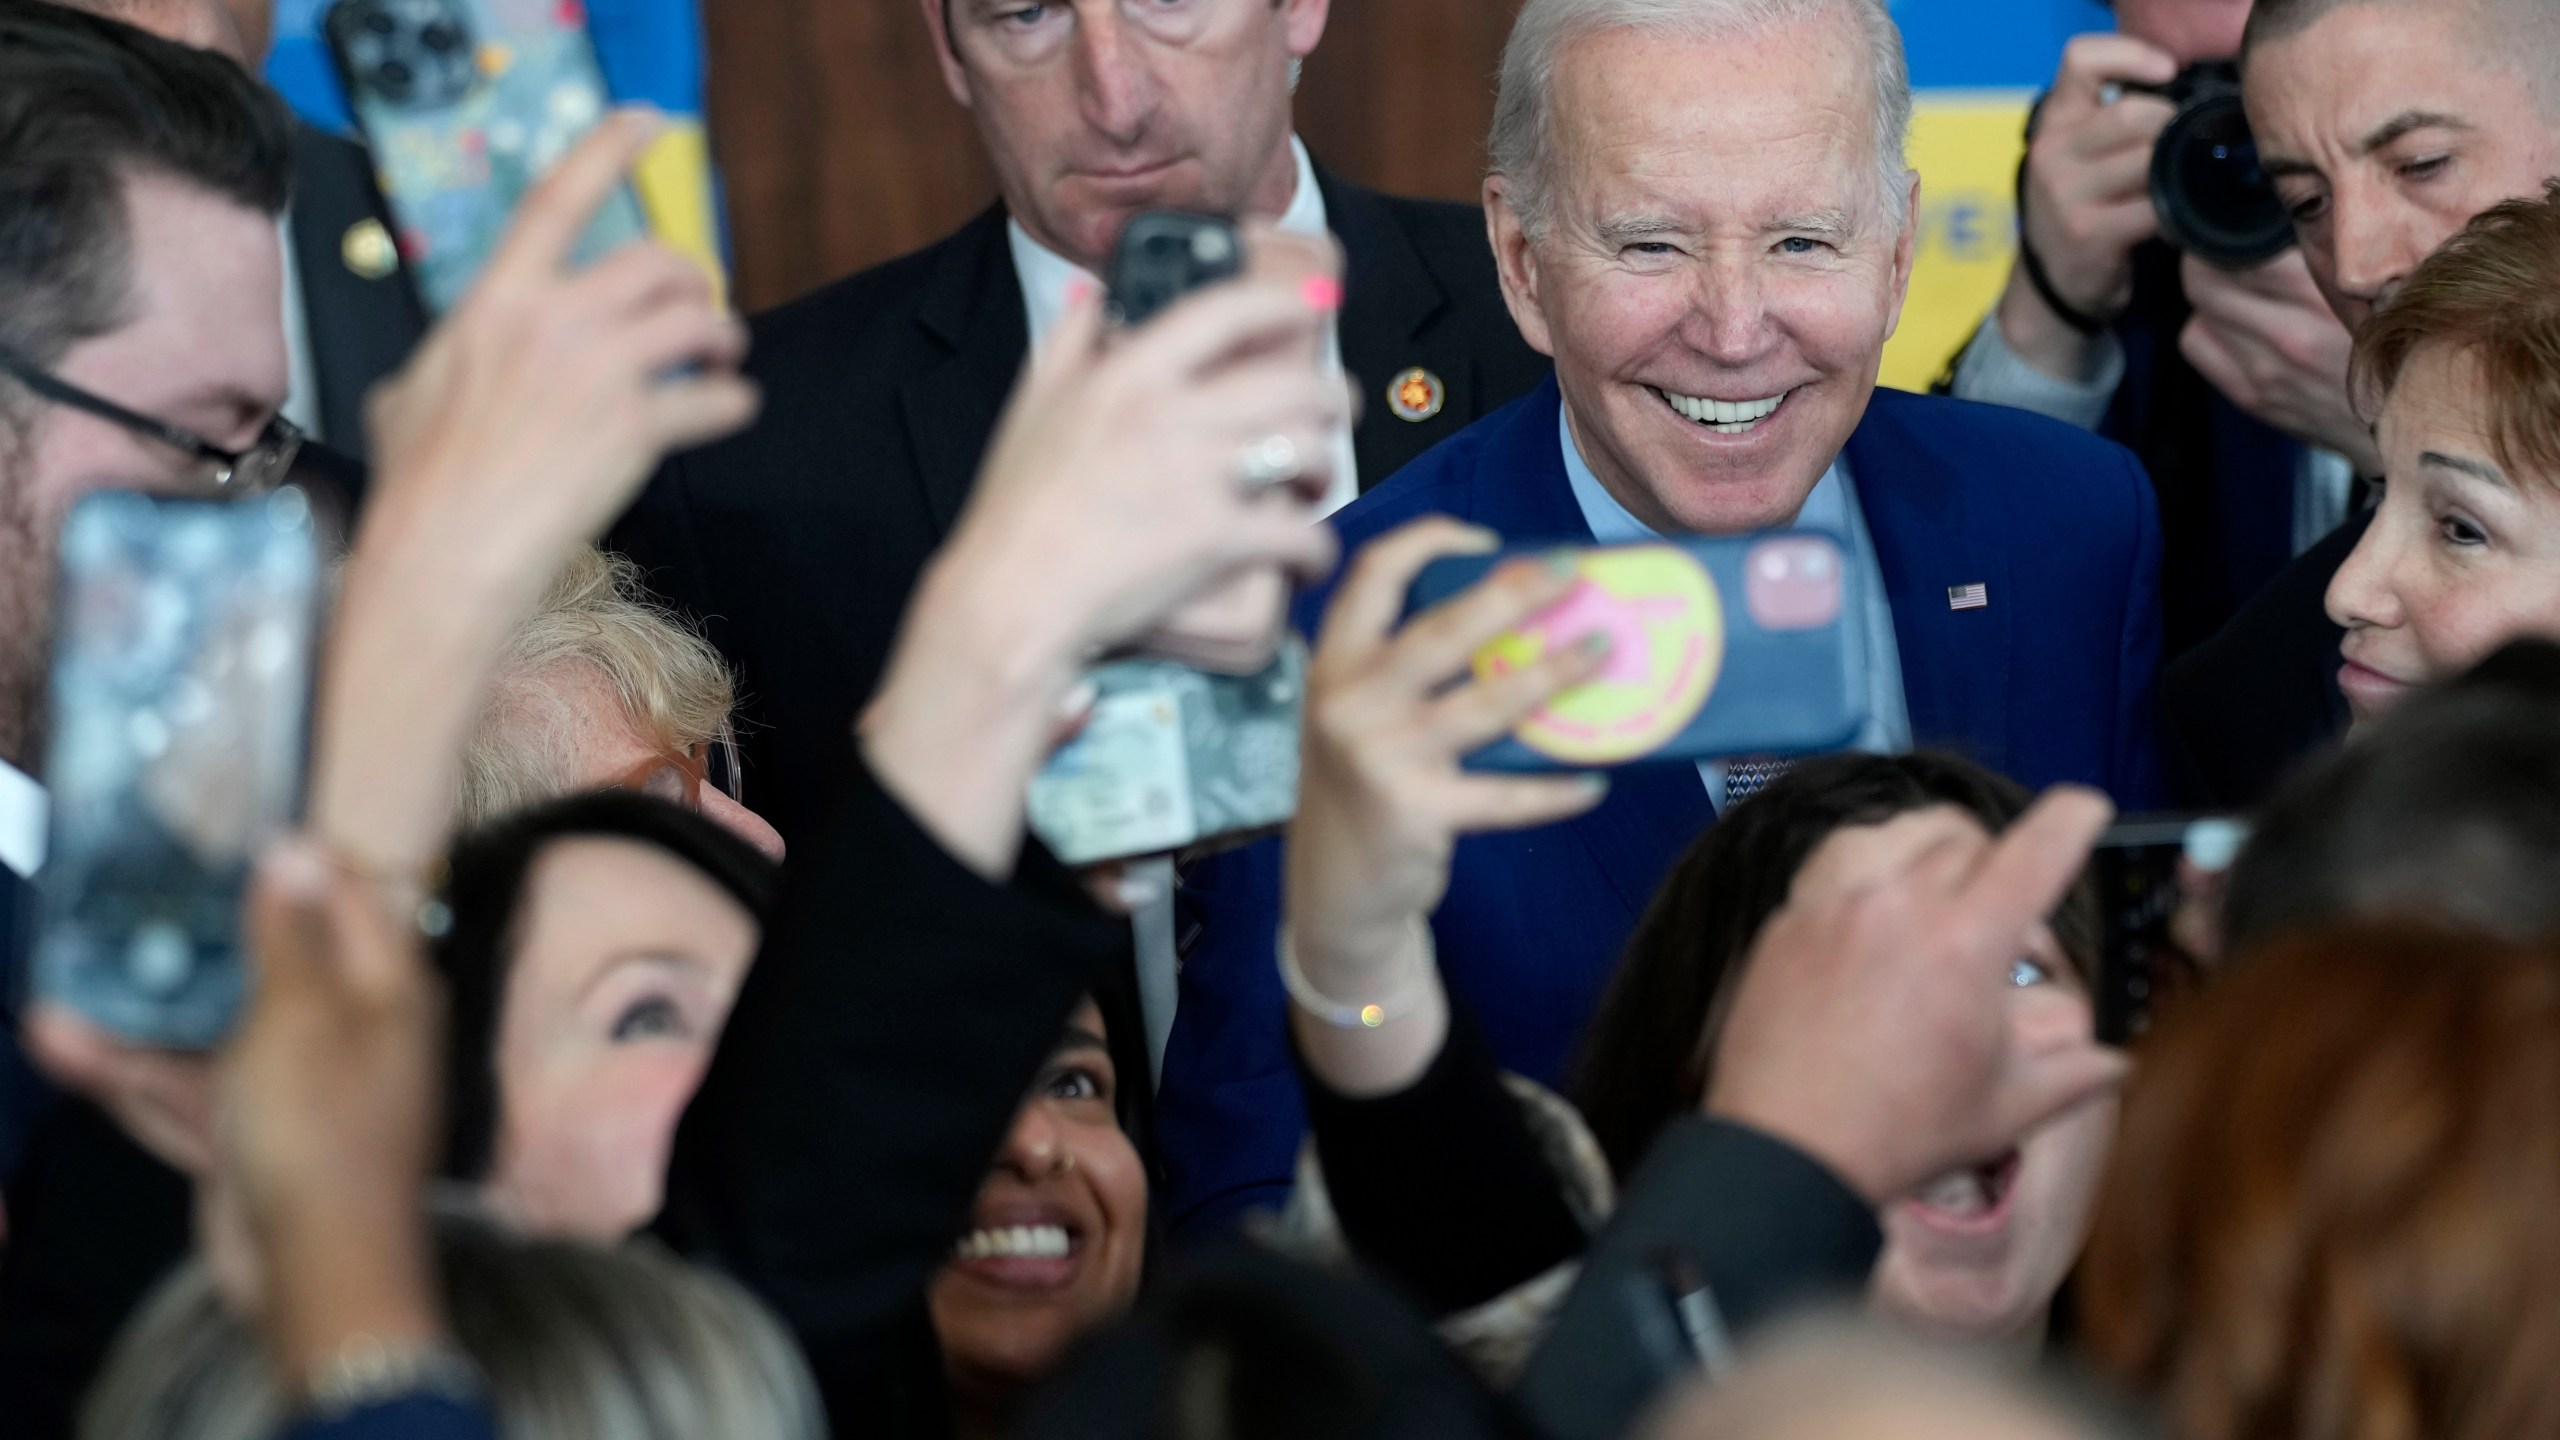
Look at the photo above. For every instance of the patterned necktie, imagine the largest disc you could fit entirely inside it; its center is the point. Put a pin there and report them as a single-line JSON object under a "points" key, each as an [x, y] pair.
{"points": [[1748, 777]]}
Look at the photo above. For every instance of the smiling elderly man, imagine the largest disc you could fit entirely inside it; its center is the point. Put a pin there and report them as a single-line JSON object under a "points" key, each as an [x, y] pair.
{"points": [[1701, 210]]}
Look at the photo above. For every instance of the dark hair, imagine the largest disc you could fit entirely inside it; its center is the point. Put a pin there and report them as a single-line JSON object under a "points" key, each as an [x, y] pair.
{"points": [[2448, 808], [84, 102], [1650, 1051], [2329, 1210], [484, 890]]}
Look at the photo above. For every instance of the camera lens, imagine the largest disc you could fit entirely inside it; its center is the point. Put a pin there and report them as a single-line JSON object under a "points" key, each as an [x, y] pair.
{"points": [[2215, 202]]}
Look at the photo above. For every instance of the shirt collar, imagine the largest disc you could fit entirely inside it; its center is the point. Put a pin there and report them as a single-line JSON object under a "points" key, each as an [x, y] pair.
{"points": [[1046, 274], [24, 809], [1827, 507]]}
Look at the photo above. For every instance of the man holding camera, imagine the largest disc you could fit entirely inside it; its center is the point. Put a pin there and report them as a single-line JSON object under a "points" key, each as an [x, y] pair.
{"points": [[2229, 382], [2385, 125]]}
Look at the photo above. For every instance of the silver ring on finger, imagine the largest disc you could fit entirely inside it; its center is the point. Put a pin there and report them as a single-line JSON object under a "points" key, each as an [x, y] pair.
{"points": [[1270, 461]]}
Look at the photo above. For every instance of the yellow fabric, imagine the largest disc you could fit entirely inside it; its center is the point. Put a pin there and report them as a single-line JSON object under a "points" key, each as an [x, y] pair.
{"points": [[1965, 144]]}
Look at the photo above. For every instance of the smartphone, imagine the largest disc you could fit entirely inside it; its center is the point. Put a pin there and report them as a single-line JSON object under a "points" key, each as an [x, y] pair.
{"points": [[2142, 866], [181, 687], [1163, 255], [466, 104], [1718, 646], [1174, 760]]}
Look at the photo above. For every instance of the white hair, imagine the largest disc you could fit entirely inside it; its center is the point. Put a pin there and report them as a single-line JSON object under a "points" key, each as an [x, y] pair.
{"points": [[1523, 140]]}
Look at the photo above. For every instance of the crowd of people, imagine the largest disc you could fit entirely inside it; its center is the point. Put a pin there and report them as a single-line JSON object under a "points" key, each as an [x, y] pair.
{"points": [[665, 1021]]}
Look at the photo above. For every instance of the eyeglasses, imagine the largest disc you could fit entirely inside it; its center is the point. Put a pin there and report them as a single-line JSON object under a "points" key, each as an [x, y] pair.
{"points": [[253, 471], [676, 775]]}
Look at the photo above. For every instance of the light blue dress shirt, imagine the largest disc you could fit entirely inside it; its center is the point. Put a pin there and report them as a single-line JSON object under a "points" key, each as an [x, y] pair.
{"points": [[1832, 506]]}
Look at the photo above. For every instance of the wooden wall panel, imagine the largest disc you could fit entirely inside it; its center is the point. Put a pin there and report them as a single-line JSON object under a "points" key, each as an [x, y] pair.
{"points": [[839, 147]]}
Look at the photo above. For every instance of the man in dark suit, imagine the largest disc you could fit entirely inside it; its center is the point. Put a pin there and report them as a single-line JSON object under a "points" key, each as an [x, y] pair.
{"points": [[2386, 128], [1716, 296], [165, 172], [799, 542], [351, 312]]}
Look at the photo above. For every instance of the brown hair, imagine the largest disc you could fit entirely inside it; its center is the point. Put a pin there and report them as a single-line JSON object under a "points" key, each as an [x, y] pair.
{"points": [[2331, 1212], [2492, 293]]}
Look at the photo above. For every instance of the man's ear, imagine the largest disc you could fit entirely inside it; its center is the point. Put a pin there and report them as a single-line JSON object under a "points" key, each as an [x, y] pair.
{"points": [[1516, 261], [1906, 248], [1304, 20], [946, 50]]}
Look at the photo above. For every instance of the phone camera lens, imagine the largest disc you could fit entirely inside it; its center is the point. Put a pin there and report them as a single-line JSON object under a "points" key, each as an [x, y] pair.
{"points": [[441, 37], [379, 22]]}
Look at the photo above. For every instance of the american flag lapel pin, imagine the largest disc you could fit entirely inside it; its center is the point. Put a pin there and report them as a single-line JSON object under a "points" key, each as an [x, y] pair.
{"points": [[1968, 597]]}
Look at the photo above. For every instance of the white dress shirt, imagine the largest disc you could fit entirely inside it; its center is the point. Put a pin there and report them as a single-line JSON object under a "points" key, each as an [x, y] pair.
{"points": [[1046, 274], [302, 392], [1832, 506], [24, 810]]}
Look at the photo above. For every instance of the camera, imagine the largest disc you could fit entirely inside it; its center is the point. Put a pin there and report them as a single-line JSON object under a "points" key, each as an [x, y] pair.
{"points": [[2214, 200]]}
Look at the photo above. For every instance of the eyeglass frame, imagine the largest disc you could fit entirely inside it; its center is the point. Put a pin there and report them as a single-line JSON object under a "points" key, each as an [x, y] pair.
{"points": [[693, 771], [272, 454]]}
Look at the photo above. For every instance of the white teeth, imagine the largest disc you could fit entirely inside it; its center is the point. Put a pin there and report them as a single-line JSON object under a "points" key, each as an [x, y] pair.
{"points": [[1013, 1242], [1728, 417], [1966, 1192]]}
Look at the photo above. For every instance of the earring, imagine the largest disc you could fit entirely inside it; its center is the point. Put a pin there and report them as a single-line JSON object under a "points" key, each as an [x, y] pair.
{"points": [[1297, 67]]}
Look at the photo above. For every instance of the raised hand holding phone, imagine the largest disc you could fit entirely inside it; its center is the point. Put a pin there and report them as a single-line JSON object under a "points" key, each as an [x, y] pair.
{"points": [[1109, 497], [1383, 797], [521, 427]]}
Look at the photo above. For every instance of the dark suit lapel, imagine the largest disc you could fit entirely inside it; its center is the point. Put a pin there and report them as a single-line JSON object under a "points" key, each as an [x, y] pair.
{"points": [[1389, 297], [361, 314], [972, 304], [1928, 542], [1653, 811]]}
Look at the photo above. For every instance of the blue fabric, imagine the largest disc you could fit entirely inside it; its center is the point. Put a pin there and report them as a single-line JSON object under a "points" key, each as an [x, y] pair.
{"points": [[2052, 681], [411, 1417]]}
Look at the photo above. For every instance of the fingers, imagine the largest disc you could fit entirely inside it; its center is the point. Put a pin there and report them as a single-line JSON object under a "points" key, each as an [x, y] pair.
{"points": [[643, 277], [2092, 62], [557, 210], [1479, 712], [1442, 641], [685, 413], [288, 925], [2055, 1066], [2025, 872], [685, 335], [1074, 337], [1288, 536], [1371, 596], [1483, 803], [1179, 347]]}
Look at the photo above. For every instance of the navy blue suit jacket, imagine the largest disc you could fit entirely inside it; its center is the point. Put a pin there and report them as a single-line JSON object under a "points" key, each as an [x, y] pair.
{"points": [[2052, 681]]}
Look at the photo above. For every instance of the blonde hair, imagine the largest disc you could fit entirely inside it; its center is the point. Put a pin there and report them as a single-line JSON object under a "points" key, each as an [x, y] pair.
{"points": [[672, 685], [575, 1342]]}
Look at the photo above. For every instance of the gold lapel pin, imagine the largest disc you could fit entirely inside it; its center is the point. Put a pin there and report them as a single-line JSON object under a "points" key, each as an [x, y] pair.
{"points": [[1416, 395], [368, 250]]}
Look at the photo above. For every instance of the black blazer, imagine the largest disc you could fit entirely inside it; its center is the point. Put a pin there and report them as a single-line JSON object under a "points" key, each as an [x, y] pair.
{"points": [[360, 325], [797, 543], [892, 1022], [2242, 709]]}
